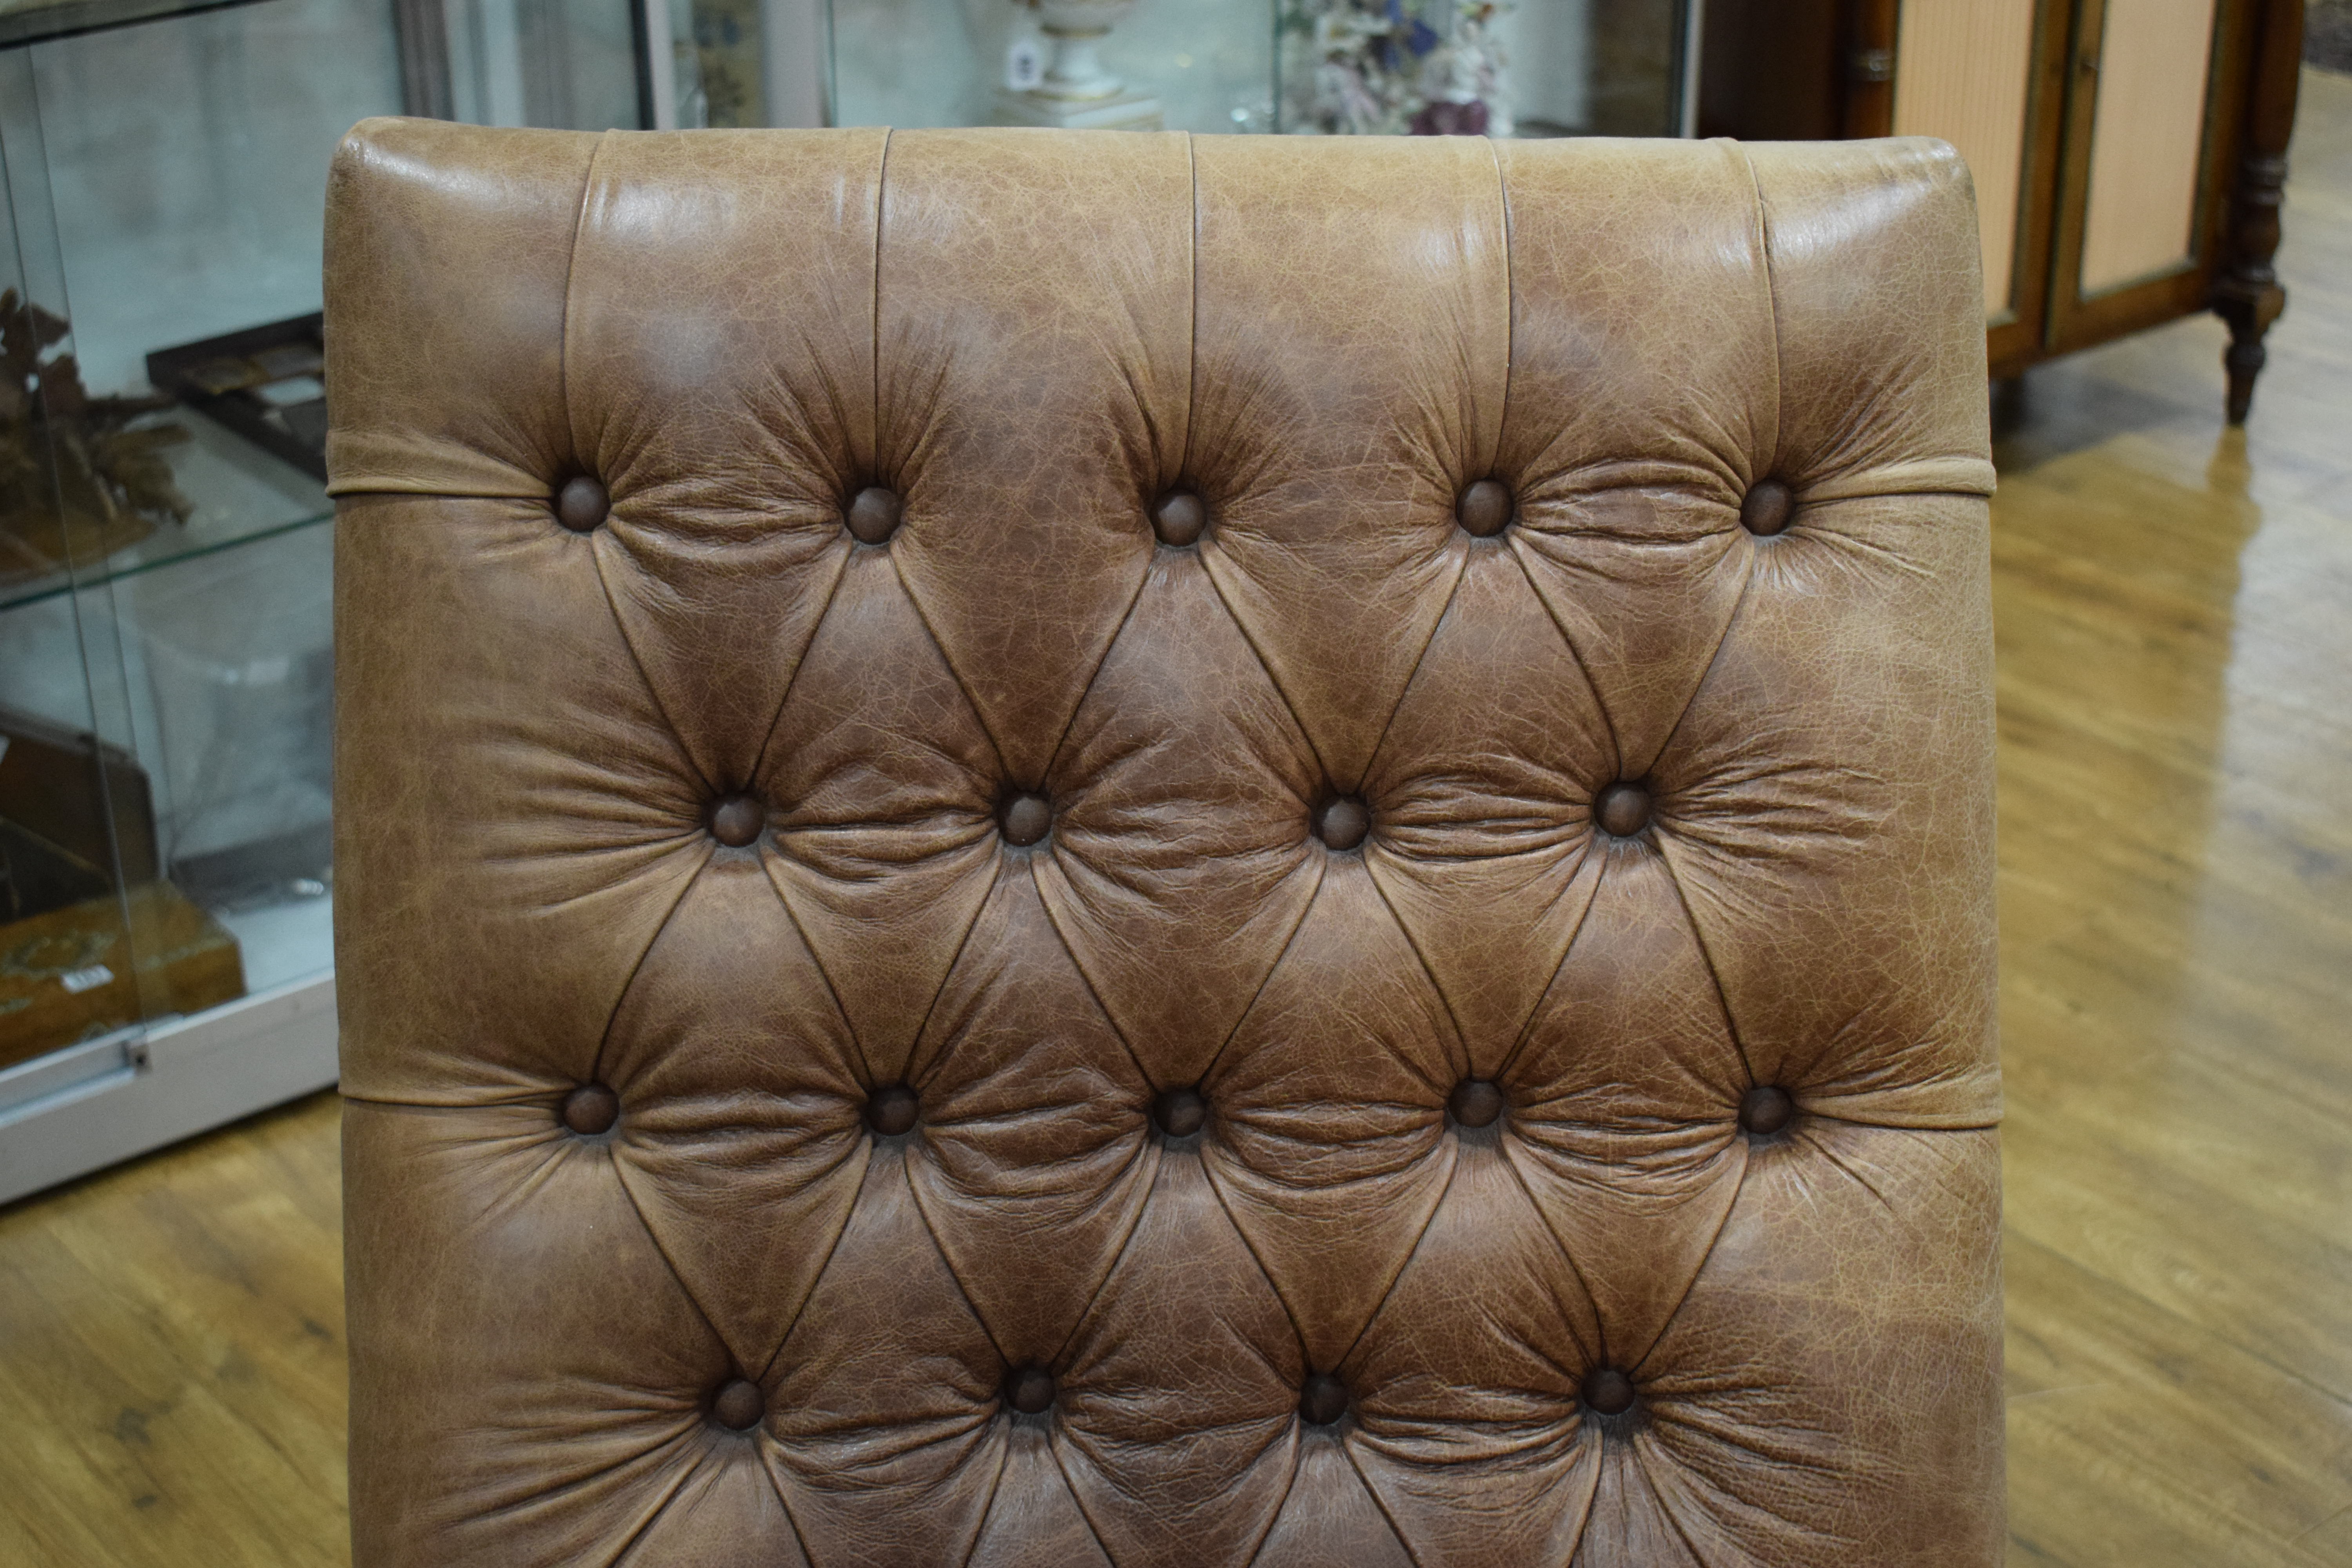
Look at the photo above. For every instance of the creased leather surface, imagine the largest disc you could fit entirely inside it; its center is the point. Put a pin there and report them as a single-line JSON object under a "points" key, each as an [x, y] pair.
{"points": [[1029, 339]]}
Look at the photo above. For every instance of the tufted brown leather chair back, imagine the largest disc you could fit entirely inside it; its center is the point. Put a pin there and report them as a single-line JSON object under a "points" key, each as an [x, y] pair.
{"points": [[1068, 849]]}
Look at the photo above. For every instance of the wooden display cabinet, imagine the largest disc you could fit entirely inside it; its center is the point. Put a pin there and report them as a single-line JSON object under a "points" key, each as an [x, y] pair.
{"points": [[2129, 154]]}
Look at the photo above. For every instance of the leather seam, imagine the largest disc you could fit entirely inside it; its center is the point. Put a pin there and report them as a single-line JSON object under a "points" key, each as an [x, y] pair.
{"points": [[800, 929], [1707, 958], [1713, 658], [1461, 571], [1224, 1207], [947, 1263], [978, 717], [792, 681], [866, 1151], [668, 1496], [1599, 1351], [770, 1460], [995, 1485], [1763, 235], [1087, 1313], [1297, 1463], [1388, 1291], [915, 1043], [621, 996], [1347, 1451], [1520, 547], [1094, 1532], [678, 1275], [1193, 323], [1209, 1069], [571, 271], [1094, 994], [1272, 679], [1144, 1147], [1134, 598], [1379, 742], [1437, 989], [881, 195], [628, 644], [1528, 1024], [1510, 306], [1706, 1254], [1273, 1515]]}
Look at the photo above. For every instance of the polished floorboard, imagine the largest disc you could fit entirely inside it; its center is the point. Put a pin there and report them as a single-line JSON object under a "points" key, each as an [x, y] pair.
{"points": [[2172, 609], [2174, 612]]}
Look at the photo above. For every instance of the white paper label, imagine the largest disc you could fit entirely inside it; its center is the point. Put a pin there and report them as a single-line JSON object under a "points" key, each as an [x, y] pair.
{"points": [[78, 980]]}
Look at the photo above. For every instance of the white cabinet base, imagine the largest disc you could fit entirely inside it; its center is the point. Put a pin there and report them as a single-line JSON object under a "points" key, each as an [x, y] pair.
{"points": [[96, 1104]]}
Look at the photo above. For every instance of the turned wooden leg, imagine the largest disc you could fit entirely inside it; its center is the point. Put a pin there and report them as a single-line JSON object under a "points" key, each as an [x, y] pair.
{"points": [[2247, 294]]}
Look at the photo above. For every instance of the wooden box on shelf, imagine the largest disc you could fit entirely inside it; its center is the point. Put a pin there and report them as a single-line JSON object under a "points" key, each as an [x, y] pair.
{"points": [[80, 971]]}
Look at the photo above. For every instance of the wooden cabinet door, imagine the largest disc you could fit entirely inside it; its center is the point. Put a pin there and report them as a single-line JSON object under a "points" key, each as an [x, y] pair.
{"points": [[1989, 77], [2155, 95]]}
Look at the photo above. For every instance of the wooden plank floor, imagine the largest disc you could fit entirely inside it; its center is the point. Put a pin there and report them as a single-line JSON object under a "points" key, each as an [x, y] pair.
{"points": [[2174, 605], [2173, 611]]}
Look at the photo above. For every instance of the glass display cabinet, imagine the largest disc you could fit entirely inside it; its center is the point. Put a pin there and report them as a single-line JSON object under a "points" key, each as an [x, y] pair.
{"points": [[166, 872], [1504, 68], [165, 634]]}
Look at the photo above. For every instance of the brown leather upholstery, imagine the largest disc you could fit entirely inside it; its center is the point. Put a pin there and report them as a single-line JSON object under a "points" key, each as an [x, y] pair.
{"points": [[1062, 849]]}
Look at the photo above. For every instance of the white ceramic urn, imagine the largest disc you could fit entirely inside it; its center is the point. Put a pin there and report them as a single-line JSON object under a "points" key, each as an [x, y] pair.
{"points": [[1074, 70]]}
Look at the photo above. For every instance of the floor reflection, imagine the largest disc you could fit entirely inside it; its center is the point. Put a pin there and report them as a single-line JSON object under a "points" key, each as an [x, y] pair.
{"points": [[2173, 613]]}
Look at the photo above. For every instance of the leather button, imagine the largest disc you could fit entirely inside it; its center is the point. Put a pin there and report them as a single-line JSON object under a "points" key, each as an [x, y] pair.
{"points": [[1323, 1399], [1030, 1390], [1476, 1103], [891, 1111], [735, 819], [591, 1109], [739, 1405], [1608, 1391], [874, 515], [1765, 1110], [1485, 509], [1768, 509], [1342, 823], [1179, 518], [581, 503], [1622, 809], [1026, 819], [1180, 1113]]}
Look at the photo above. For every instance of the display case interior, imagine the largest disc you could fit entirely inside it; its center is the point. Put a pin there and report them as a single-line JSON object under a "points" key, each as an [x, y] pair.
{"points": [[166, 672], [166, 665], [1530, 68], [163, 564]]}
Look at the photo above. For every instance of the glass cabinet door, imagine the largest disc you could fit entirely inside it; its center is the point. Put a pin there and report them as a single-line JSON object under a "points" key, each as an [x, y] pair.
{"points": [[166, 637], [572, 65], [1540, 67], [1498, 68], [165, 666]]}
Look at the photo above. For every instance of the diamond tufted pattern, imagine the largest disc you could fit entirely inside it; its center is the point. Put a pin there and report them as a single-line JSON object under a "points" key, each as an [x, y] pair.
{"points": [[1063, 849]]}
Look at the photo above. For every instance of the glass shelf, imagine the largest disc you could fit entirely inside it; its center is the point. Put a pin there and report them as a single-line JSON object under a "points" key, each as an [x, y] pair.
{"points": [[242, 494], [221, 676], [38, 21]]}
